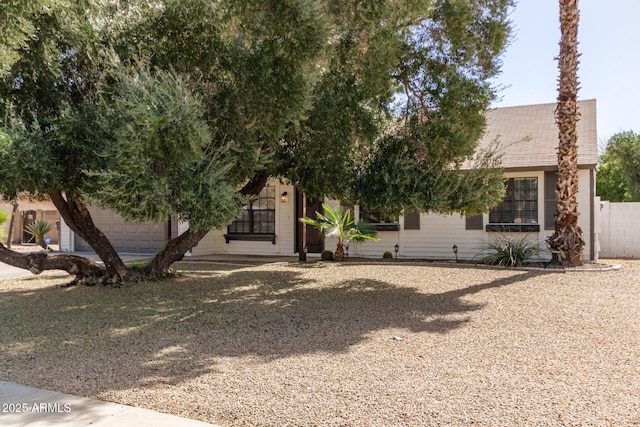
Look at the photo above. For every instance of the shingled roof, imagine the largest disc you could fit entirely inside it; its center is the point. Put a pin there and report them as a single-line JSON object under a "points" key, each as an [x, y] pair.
{"points": [[528, 135]]}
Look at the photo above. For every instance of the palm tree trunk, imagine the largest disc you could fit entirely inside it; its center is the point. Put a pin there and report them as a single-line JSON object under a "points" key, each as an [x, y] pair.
{"points": [[339, 255], [567, 242]]}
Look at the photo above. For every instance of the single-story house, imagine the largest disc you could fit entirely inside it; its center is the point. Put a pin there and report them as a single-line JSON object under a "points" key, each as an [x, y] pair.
{"points": [[528, 137]]}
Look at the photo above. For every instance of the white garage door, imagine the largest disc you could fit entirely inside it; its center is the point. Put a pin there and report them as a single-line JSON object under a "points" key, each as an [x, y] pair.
{"points": [[125, 237]]}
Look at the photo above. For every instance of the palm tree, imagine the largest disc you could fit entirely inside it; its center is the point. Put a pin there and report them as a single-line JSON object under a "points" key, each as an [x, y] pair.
{"points": [[340, 224], [567, 242]]}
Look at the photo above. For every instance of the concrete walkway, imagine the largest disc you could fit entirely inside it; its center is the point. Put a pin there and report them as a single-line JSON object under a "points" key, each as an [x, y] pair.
{"points": [[28, 406]]}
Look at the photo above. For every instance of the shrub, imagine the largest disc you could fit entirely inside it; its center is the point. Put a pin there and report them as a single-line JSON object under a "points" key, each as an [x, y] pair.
{"points": [[510, 251], [3, 218], [387, 255], [38, 229], [326, 255]]}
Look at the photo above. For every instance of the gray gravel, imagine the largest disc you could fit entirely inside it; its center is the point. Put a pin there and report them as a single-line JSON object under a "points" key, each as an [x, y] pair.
{"points": [[281, 344]]}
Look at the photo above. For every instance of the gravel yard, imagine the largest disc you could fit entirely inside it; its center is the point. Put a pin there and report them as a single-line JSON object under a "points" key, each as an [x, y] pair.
{"points": [[324, 344]]}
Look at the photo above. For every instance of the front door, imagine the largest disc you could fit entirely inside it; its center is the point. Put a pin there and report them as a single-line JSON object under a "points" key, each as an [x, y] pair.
{"points": [[315, 243]]}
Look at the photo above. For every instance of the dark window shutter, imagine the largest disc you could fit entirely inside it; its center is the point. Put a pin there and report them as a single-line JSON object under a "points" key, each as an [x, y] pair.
{"points": [[550, 182], [412, 221], [473, 222]]}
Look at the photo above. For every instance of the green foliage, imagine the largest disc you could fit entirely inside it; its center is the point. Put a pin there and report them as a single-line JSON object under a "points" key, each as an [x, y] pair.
{"points": [[364, 143], [153, 111], [618, 175], [326, 255], [401, 175], [157, 151], [339, 223], [511, 251], [137, 266], [152, 108], [17, 27], [38, 229], [387, 255], [4, 217]]}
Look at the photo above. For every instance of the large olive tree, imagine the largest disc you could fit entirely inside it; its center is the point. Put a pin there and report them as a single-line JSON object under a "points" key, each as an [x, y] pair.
{"points": [[186, 107]]}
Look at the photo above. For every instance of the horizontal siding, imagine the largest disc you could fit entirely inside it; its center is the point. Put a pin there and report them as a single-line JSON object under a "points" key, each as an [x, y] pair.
{"points": [[434, 239], [438, 234], [210, 244], [388, 240]]}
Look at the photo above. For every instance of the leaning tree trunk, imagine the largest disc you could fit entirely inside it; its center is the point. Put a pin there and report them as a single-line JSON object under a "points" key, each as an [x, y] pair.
{"points": [[174, 251], [77, 217], [37, 262], [567, 242], [175, 248]]}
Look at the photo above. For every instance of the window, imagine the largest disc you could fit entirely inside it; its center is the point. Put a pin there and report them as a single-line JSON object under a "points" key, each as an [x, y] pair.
{"points": [[519, 209], [378, 220], [258, 218]]}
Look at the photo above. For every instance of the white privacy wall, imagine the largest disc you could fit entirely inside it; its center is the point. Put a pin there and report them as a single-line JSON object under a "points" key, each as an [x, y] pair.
{"points": [[620, 230]]}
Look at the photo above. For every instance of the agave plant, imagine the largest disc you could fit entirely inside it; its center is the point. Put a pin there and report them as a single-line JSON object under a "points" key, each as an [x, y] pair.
{"points": [[510, 251], [340, 224], [38, 229]]}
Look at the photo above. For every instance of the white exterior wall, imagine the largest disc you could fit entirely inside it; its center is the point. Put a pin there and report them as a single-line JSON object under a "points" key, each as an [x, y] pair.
{"points": [[585, 203], [438, 233], [620, 230], [214, 242], [620, 235]]}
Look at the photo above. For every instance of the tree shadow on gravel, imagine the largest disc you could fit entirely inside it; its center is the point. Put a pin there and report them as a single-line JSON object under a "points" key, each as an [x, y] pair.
{"points": [[102, 339]]}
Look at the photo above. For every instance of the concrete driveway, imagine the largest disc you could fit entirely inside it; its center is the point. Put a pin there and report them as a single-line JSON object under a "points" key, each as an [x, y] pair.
{"points": [[9, 272]]}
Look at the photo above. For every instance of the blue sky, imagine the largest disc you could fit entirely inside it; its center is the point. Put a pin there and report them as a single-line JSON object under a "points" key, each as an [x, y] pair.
{"points": [[609, 37]]}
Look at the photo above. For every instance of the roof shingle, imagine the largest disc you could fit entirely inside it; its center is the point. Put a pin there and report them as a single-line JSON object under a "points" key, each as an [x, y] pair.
{"points": [[528, 135]]}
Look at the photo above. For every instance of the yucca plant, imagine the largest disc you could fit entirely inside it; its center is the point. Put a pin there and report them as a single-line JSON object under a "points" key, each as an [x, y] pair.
{"points": [[37, 230], [510, 251], [340, 224]]}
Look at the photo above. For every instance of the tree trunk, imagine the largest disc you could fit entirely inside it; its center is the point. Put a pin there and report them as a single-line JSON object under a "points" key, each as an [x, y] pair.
{"points": [[174, 251], [12, 222], [175, 248], [77, 216], [567, 242], [37, 262]]}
